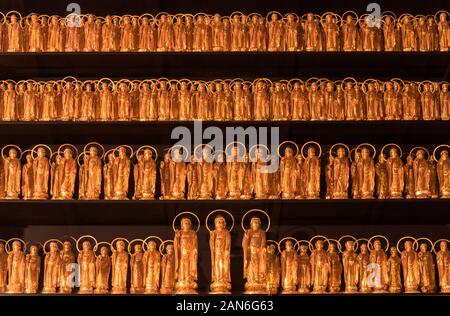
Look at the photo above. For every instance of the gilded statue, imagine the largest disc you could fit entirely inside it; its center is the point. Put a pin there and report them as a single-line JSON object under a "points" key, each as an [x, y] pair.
{"points": [[102, 268], [52, 266], [119, 266], [86, 262], [152, 265], [443, 264], [289, 266], [32, 270]]}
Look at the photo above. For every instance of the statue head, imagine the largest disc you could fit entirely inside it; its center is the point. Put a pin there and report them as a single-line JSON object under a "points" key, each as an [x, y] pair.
{"points": [[349, 245], [393, 251], [408, 245], [357, 155], [29, 158], [443, 245], [53, 247], [219, 222], [41, 152], [93, 151], [341, 152], [67, 246], [303, 249], [444, 155], [319, 244], [86, 245], [289, 152], [311, 152], [169, 249], [138, 248], [393, 153], [270, 248], [68, 153], [104, 251], [255, 223], [151, 245], [185, 224], [331, 247], [120, 245], [12, 153], [289, 245], [16, 246], [377, 244], [122, 152], [148, 154], [420, 154], [34, 250], [365, 152], [363, 248], [423, 247]]}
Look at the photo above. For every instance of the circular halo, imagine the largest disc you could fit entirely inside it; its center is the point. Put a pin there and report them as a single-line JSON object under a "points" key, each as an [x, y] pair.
{"points": [[294, 81], [34, 150], [369, 242], [112, 150], [257, 147], [287, 142], [187, 213], [144, 242], [94, 144], [416, 244], [434, 151], [263, 80], [147, 15], [232, 143], [11, 146], [115, 240], [370, 145], [362, 239], [311, 247], [25, 152], [202, 146], [96, 247], [351, 13], [20, 18], [185, 151], [392, 145], [130, 249], [77, 244], [127, 147], [162, 248], [62, 147], [436, 15], [68, 80], [99, 83], [339, 144], [2, 18], [286, 238], [128, 82], [53, 156], [314, 143], [348, 79], [280, 16], [7, 246], [259, 211], [339, 242], [217, 211], [409, 238], [155, 152], [78, 159], [323, 16], [186, 81], [438, 241], [298, 244], [44, 247], [271, 241], [412, 153]]}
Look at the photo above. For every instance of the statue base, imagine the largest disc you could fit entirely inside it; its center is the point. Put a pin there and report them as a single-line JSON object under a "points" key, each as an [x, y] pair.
{"points": [[303, 291], [101, 291], [186, 291], [47, 290]]}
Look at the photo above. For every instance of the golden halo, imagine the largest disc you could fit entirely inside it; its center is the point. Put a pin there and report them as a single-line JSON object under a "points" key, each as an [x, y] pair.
{"points": [[144, 242], [351, 13], [99, 83], [20, 18], [147, 15], [287, 142], [411, 153], [115, 240], [187, 213], [94, 144], [339, 144], [259, 211], [434, 151], [436, 15], [335, 15], [126, 147], [294, 81], [201, 146], [161, 247], [217, 211], [392, 145], [112, 150], [348, 79], [286, 238], [298, 244], [417, 246], [232, 143], [362, 239], [41, 145], [253, 149], [77, 244], [314, 143], [438, 241], [155, 156], [263, 80], [11, 146], [318, 236], [185, 151], [51, 240], [2, 18], [130, 249], [409, 238], [369, 242], [339, 242], [67, 145], [280, 16], [7, 246], [370, 145]]}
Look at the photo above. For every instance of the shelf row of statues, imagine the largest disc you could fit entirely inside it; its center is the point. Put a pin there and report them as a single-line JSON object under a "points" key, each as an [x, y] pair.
{"points": [[70, 99], [236, 173], [154, 266], [238, 32]]}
